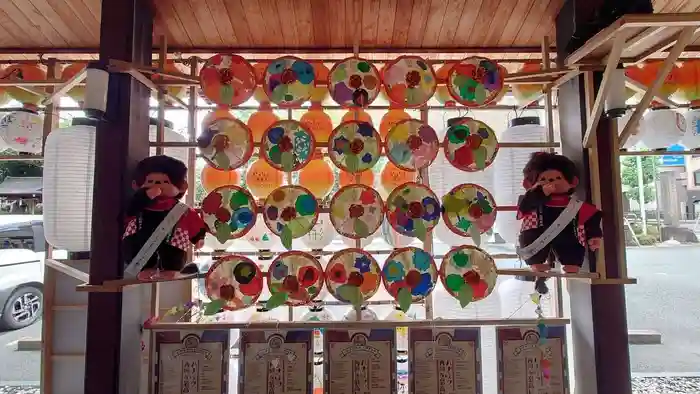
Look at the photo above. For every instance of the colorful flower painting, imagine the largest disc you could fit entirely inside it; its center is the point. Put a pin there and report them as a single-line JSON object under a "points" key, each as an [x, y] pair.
{"points": [[297, 274], [475, 81], [410, 272], [357, 211], [290, 212], [289, 81], [226, 143], [288, 145], [468, 207], [468, 273], [354, 82], [352, 276], [412, 145], [409, 80], [413, 209], [236, 280], [470, 145], [229, 212], [354, 146], [227, 80]]}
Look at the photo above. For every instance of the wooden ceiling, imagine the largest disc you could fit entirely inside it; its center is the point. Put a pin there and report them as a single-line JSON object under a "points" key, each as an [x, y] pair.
{"points": [[278, 25]]}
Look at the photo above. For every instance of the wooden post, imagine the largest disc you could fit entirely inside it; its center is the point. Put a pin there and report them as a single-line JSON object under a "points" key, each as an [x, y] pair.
{"points": [[50, 122], [122, 141]]}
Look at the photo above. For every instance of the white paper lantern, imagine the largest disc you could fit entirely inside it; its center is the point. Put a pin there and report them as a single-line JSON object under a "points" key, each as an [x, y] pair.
{"points": [[260, 237], [321, 235], [69, 167], [634, 139], [444, 177], [96, 86], [22, 131], [394, 239], [662, 128], [211, 243], [366, 314], [352, 243], [691, 140], [509, 164], [450, 238], [169, 135]]}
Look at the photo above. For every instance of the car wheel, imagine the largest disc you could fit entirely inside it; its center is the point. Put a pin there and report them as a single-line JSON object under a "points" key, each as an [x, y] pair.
{"points": [[23, 308]]}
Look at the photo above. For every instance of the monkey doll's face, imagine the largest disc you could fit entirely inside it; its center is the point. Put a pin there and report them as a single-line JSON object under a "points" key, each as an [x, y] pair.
{"points": [[556, 178], [161, 181]]}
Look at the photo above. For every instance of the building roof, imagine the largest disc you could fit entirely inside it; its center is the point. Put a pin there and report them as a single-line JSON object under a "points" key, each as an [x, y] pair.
{"points": [[21, 186]]}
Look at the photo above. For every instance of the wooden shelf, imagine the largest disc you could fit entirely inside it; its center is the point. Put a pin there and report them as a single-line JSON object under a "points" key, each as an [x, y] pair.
{"points": [[645, 35], [535, 77], [115, 286], [548, 274], [589, 277], [353, 325]]}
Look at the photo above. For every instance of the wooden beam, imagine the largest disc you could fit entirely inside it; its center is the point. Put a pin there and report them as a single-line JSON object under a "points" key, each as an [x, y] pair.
{"points": [[683, 40], [594, 115], [548, 95], [526, 76], [663, 46], [550, 87], [68, 85], [639, 88], [67, 270]]}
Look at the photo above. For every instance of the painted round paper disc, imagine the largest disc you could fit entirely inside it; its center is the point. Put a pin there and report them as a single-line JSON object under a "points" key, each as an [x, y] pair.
{"points": [[351, 272], [226, 143], [354, 82], [466, 206], [355, 146], [470, 145], [412, 268], [227, 80], [235, 279], [292, 210], [287, 145], [468, 268], [475, 81], [409, 80], [289, 81], [229, 211], [297, 273], [412, 145], [413, 209], [357, 211]]}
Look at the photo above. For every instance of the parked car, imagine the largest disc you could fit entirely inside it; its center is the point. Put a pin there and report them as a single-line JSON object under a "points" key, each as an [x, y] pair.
{"points": [[22, 248]]}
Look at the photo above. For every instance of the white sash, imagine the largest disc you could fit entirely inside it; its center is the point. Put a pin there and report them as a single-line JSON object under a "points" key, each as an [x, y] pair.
{"points": [[564, 218], [151, 245]]}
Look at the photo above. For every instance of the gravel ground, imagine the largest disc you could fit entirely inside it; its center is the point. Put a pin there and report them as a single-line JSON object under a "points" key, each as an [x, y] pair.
{"points": [[656, 385], [670, 385]]}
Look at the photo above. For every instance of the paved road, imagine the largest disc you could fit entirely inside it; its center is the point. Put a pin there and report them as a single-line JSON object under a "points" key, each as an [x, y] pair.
{"points": [[667, 299], [19, 366]]}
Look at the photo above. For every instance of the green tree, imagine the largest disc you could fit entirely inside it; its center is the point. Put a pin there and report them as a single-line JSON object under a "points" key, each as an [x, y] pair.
{"points": [[630, 181]]}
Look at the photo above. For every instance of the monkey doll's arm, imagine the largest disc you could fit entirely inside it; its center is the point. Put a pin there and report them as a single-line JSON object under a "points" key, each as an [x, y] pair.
{"points": [[592, 226], [533, 199], [139, 201]]}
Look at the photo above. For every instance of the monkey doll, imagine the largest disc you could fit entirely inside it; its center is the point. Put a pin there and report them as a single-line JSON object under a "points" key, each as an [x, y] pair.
{"points": [[554, 222], [159, 182]]}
